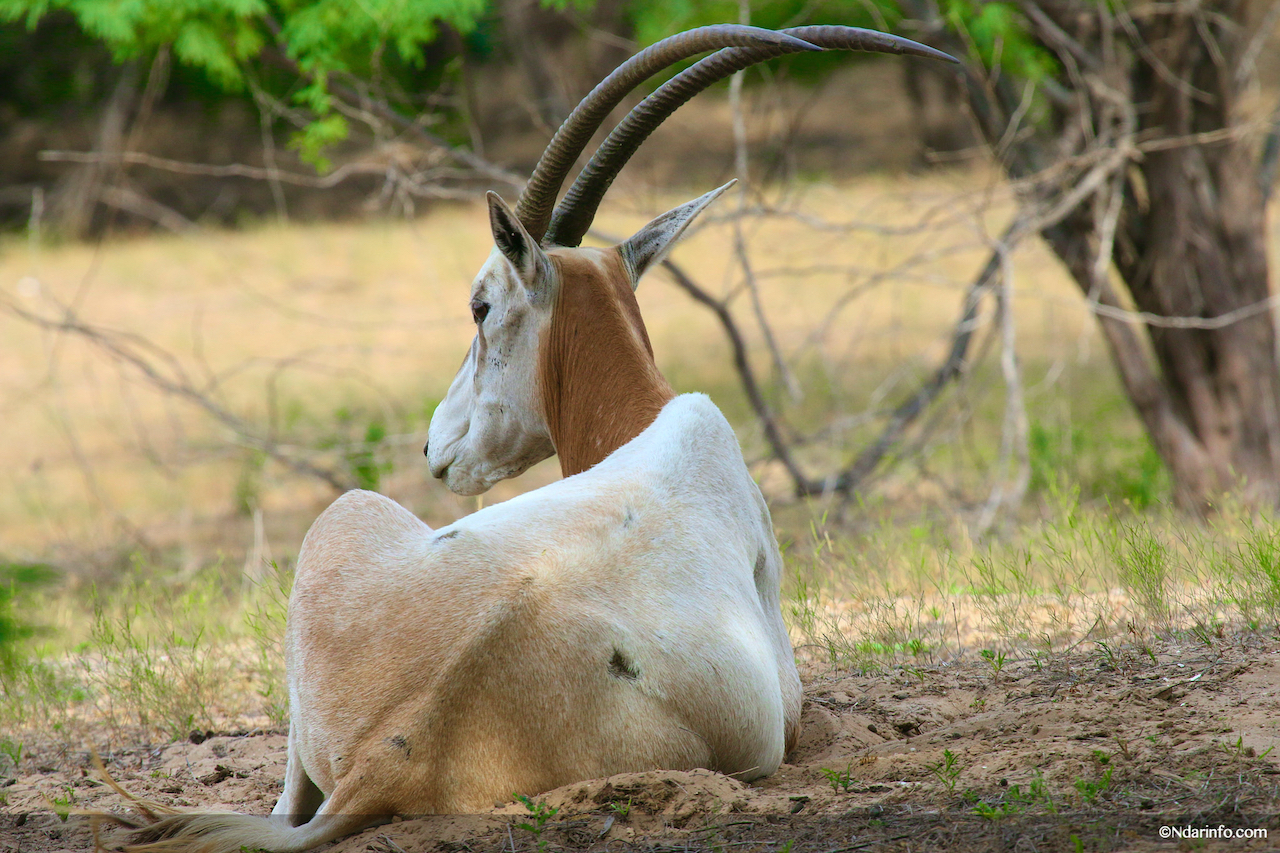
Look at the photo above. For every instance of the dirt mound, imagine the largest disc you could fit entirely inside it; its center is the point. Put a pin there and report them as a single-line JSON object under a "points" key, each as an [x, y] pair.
{"points": [[674, 797], [1098, 749]]}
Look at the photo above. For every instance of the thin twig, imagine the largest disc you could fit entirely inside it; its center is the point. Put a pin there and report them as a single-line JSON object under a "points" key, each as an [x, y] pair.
{"points": [[852, 477], [862, 845], [131, 201], [1013, 434], [228, 170], [1270, 158], [265, 120], [740, 253], [750, 385], [126, 349], [1247, 65]]}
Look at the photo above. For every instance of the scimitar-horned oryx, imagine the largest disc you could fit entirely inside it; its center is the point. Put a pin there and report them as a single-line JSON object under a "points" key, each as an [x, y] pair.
{"points": [[625, 618]]}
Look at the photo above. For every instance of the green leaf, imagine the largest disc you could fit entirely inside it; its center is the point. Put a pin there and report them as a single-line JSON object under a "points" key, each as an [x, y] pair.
{"points": [[312, 140], [998, 34], [226, 39]]}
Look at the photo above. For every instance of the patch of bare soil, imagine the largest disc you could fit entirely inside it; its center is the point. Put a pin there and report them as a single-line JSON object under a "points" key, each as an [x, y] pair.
{"points": [[1081, 751]]}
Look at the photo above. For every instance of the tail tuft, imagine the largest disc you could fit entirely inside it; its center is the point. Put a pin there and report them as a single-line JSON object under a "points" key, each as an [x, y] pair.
{"points": [[157, 828]]}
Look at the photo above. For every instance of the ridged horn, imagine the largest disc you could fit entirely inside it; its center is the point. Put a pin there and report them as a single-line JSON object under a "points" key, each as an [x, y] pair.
{"points": [[573, 216], [539, 197]]}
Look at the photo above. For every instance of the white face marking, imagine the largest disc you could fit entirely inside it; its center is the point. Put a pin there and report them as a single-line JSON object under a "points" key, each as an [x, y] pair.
{"points": [[490, 425]]}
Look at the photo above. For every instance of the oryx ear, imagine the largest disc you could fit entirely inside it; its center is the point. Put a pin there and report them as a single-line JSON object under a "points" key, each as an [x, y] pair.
{"points": [[651, 243], [515, 243]]}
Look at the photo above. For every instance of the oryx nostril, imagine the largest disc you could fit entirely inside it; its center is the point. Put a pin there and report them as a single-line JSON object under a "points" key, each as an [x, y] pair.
{"points": [[426, 447]]}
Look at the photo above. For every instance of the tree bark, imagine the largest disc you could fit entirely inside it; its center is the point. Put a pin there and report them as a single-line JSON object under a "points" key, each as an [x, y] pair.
{"points": [[1199, 250]]}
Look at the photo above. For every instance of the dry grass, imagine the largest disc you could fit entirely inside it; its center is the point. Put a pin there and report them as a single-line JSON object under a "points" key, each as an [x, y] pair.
{"points": [[317, 330]]}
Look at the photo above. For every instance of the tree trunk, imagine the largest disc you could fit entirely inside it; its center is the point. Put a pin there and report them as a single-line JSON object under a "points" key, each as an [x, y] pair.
{"points": [[528, 29], [1163, 81], [77, 193], [932, 91], [1192, 243]]}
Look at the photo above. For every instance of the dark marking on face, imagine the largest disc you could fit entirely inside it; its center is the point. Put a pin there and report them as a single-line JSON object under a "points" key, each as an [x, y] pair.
{"points": [[399, 742], [761, 562], [620, 666], [629, 519], [514, 321]]}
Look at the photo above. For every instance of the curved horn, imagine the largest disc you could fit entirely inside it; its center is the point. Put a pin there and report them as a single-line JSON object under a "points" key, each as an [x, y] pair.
{"points": [[539, 197], [574, 214]]}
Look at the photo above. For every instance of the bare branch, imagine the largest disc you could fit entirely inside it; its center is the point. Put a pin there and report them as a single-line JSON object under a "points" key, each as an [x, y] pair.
{"points": [[740, 161], [768, 421], [1054, 35], [1270, 158], [848, 480], [1013, 433], [384, 111], [906, 413], [229, 170], [265, 116], [131, 201], [1247, 65], [1061, 192], [129, 350]]}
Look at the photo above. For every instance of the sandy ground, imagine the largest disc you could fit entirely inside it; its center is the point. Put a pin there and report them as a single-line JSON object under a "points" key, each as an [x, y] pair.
{"points": [[1087, 751]]}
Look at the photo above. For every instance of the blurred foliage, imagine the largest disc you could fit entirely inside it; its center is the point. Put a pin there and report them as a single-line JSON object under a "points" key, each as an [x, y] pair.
{"points": [[224, 37], [53, 51], [239, 44], [998, 37], [1124, 468], [996, 31], [17, 582], [361, 442], [656, 19]]}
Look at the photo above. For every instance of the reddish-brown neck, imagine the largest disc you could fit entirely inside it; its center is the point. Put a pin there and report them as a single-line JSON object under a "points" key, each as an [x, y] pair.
{"points": [[600, 386]]}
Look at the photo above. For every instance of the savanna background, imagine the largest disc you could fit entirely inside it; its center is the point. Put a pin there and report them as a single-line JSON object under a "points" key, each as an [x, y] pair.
{"points": [[237, 244]]}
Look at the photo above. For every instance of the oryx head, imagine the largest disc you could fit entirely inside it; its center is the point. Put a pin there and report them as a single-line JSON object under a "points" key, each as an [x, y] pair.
{"points": [[491, 424]]}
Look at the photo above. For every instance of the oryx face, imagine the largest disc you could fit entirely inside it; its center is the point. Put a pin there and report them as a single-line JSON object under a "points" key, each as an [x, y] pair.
{"points": [[490, 425]]}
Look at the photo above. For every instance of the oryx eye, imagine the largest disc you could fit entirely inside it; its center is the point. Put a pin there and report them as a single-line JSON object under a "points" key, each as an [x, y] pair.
{"points": [[479, 310]]}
